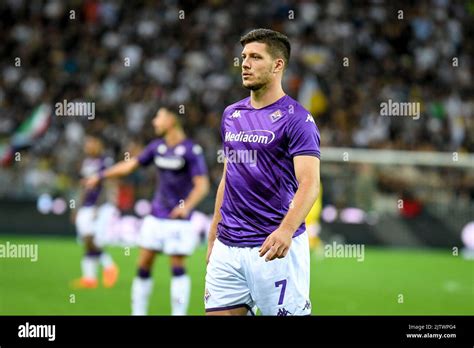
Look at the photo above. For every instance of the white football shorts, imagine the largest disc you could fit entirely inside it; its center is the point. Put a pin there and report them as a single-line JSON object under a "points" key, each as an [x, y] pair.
{"points": [[171, 237], [85, 221], [94, 221], [239, 277]]}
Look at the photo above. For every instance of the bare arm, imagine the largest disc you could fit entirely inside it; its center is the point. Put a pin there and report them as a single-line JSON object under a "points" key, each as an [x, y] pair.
{"points": [[278, 242], [307, 174], [122, 168], [217, 213], [199, 191]]}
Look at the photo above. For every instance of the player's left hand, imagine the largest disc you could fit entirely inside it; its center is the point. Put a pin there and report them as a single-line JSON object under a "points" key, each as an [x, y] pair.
{"points": [[179, 212], [277, 244]]}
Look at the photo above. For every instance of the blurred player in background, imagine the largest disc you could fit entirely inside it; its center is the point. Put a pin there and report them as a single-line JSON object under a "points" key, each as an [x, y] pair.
{"points": [[182, 183], [258, 253], [87, 217]]}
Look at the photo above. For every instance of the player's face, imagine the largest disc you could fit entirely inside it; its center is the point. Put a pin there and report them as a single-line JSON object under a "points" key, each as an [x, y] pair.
{"points": [[92, 146], [163, 121], [257, 66]]}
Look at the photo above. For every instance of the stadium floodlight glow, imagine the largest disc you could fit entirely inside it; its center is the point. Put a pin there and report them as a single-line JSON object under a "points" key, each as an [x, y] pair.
{"points": [[352, 216], [142, 207], [44, 203], [329, 213], [59, 206]]}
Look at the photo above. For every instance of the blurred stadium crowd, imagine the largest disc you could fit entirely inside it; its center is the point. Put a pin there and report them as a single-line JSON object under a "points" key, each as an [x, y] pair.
{"points": [[126, 56]]}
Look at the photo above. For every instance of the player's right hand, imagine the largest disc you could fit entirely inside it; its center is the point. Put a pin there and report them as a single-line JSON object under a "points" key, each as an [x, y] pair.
{"points": [[91, 182], [277, 244]]}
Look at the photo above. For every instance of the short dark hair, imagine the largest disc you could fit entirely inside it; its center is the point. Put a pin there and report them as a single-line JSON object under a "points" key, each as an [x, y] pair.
{"points": [[171, 107], [277, 43], [175, 109]]}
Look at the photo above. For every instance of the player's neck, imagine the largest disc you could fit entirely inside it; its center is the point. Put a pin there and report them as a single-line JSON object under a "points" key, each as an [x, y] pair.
{"points": [[174, 136], [266, 95]]}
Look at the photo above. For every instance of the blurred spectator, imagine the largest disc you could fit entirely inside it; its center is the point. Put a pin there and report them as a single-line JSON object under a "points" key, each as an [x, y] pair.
{"points": [[126, 56]]}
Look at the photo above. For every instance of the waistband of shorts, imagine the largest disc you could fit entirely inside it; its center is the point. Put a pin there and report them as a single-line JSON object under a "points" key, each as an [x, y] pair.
{"points": [[252, 244]]}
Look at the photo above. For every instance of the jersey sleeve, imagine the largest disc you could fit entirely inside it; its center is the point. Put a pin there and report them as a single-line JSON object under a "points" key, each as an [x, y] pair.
{"points": [[147, 155], [303, 135], [224, 113], [197, 163], [222, 154]]}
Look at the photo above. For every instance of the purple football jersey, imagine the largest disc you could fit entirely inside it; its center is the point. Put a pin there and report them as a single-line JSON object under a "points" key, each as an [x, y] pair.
{"points": [[176, 168], [259, 146], [90, 166]]}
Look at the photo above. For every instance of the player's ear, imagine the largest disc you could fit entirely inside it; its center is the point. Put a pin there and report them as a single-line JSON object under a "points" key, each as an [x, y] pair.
{"points": [[279, 65]]}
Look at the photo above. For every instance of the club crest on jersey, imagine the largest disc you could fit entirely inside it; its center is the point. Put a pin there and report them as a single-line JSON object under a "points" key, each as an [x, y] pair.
{"points": [[276, 116], [235, 114]]}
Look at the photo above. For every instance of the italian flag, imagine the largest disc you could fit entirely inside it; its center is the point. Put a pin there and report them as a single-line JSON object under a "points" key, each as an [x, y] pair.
{"points": [[30, 130], [33, 127]]}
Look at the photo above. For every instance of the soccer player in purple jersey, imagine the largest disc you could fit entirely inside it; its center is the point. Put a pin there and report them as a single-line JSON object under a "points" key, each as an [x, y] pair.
{"points": [[258, 251], [182, 183], [86, 220]]}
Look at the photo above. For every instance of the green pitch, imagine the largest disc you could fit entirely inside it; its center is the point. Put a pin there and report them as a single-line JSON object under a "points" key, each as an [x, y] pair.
{"points": [[387, 282]]}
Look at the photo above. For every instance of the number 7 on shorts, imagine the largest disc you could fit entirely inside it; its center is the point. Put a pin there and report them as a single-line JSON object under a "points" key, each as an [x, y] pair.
{"points": [[283, 288]]}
